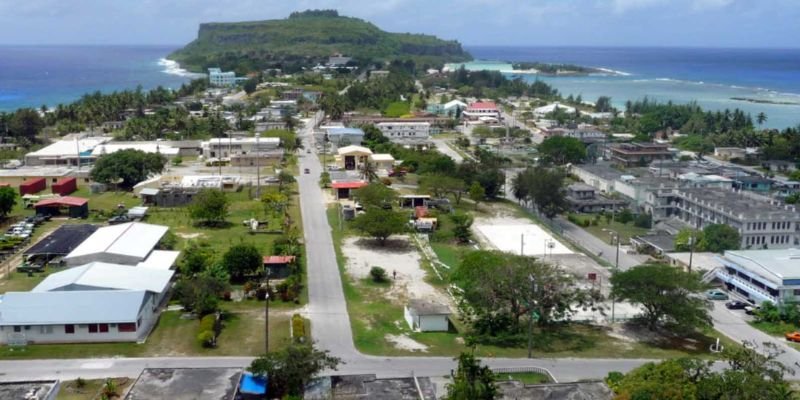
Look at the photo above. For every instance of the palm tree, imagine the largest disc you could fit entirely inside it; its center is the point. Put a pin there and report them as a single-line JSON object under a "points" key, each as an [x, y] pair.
{"points": [[368, 171], [761, 118]]}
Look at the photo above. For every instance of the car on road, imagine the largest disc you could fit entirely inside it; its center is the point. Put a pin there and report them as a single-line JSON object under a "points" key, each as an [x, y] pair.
{"points": [[308, 151], [307, 171], [751, 310], [736, 305], [793, 336], [119, 219], [716, 294]]}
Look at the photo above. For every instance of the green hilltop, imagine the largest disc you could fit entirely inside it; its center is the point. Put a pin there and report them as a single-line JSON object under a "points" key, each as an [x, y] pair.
{"points": [[305, 39]]}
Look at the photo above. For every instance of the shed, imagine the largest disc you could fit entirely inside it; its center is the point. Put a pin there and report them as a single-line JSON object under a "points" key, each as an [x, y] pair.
{"points": [[278, 265], [77, 207], [343, 189], [427, 316], [65, 186], [137, 213], [129, 243], [32, 186], [414, 200], [60, 242]]}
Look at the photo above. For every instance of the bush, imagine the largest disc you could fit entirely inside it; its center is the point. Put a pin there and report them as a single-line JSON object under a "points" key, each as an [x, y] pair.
{"points": [[261, 293], [643, 220], [206, 338], [386, 181], [378, 274], [207, 331], [625, 216], [298, 328]]}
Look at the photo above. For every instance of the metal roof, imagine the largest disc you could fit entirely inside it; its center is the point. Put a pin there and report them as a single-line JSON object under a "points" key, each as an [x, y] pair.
{"points": [[771, 264], [68, 201], [101, 276], [160, 259], [81, 307], [425, 307], [133, 239]]}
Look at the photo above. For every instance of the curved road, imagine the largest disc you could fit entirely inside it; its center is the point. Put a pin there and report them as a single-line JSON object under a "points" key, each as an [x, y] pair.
{"points": [[330, 325]]}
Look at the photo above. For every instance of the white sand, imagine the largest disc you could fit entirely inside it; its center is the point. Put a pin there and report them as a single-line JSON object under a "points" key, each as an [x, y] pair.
{"points": [[404, 342], [511, 234]]}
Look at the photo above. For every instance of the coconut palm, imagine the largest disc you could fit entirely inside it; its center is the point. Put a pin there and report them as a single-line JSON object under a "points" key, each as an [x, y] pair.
{"points": [[368, 171], [761, 118]]}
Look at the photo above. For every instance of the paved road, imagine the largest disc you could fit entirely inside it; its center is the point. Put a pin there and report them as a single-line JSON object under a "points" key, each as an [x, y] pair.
{"points": [[443, 147]]}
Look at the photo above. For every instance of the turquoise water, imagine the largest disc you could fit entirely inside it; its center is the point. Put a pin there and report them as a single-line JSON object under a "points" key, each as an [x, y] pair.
{"points": [[711, 77]]}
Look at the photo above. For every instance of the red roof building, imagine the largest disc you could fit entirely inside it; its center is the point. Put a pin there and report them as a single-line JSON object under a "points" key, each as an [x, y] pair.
{"points": [[278, 266], [77, 207], [482, 110], [268, 260], [342, 190]]}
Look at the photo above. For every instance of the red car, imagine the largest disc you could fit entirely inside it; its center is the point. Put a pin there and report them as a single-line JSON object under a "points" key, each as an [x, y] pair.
{"points": [[793, 336]]}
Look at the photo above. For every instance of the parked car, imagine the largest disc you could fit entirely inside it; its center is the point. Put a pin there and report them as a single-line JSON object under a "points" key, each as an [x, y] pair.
{"points": [[307, 171], [793, 336], [119, 219], [736, 305], [751, 310], [716, 294]]}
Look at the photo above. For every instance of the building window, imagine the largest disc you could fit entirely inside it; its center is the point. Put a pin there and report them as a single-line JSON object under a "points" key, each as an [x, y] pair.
{"points": [[46, 329], [17, 328], [127, 327], [92, 328], [70, 329], [796, 292], [103, 328]]}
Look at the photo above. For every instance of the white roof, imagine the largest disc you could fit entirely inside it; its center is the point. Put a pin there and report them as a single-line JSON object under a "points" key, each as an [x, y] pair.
{"points": [[396, 123], [160, 259], [135, 239], [68, 147], [81, 307], [382, 157], [100, 276], [240, 140], [453, 103], [551, 107], [771, 264], [108, 148], [353, 149]]}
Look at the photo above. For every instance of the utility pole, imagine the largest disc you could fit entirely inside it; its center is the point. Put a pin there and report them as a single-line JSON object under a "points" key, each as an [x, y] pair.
{"points": [[266, 312], [691, 249], [258, 169], [616, 269], [530, 320], [522, 244]]}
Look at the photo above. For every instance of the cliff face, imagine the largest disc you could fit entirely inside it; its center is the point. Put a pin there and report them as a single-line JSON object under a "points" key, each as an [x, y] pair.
{"points": [[307, 39]]}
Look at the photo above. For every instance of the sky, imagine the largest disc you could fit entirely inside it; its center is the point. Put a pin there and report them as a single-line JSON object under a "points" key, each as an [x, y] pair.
{"points": [[697, 23]]}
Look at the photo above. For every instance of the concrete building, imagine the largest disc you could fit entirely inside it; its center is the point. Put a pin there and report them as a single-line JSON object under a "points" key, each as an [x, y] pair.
{"points": [[426, 316], [341, 136], [127, 244], [67, 151], [762, 275], [633, 154], [601, 176], [727, 153], [186, 384], [30, 390], [762, 224], [227, 147], [216, 77], [352, 157], [398, 131], [76, 316], [585, 199], [550, 108], [482, 111]]}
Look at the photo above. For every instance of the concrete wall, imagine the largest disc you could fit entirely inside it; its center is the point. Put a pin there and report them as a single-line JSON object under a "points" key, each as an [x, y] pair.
{"points": [[433, 323]]}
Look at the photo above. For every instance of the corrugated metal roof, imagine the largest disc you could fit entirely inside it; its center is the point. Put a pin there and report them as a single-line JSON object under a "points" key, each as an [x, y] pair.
{"points": [[133, 239], [82, 307], [101, 276], [278, 259], [160, 259], [62, 201]]}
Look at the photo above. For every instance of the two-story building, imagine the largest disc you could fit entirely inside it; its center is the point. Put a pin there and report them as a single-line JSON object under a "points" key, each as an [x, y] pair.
{"points": [[482, 111], [216, 77], [228, 147], [762, 275], [633, 154], [585, 199], [762, 223]]}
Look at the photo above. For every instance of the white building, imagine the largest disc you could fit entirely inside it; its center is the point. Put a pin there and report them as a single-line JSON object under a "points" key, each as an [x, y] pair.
{"points": [[127, 244], [426, 316], [482, 111], [399, 132], [226, 147], [762, 275], [76, 316], [542, 111], [218, 78], [147, 147], [66, 151]]}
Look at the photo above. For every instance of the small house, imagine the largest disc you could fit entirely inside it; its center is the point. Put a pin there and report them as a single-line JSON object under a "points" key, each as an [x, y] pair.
{"points": [[344, 190], [278, 266], [427, 316], [352, 157], [414, 200]]}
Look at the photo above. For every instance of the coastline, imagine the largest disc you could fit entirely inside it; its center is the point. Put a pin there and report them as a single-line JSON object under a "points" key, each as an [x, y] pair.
{"points": [[174, 68]]}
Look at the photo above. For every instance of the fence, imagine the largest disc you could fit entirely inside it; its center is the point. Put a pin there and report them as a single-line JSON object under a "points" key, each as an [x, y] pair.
{"points": [[522, 370]]}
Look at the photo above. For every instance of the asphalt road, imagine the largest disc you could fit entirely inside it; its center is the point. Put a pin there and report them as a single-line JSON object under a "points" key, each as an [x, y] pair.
{"points": [[443, 147]]}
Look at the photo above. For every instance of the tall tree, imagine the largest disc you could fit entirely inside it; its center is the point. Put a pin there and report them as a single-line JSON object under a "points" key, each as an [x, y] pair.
{"points": [[761, 118], [209, 206], [381, 223], [126, 168], [544, 187], [242, 260], [471, 380], [290, 369], [721, 237], [375, 195], [8, 199], [669, 296], [560, 150]]}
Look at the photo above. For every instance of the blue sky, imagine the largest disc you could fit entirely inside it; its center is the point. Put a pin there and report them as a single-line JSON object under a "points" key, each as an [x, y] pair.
{"points": [[723, 23]]}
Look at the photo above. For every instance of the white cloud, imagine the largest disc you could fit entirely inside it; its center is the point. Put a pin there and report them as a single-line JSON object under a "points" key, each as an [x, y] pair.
{"points": [[621, 6]]}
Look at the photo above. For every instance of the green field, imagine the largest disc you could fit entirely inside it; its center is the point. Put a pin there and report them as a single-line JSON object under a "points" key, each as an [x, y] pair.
{"points": [[603, 230]]}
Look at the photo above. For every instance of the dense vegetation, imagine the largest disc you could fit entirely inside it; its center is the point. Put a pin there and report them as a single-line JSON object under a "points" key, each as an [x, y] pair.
{"points": [[305, 39], [491, 84], [554, 68]]}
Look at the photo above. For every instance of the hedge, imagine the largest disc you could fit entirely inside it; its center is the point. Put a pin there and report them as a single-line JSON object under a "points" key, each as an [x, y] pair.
{"points": [[298, 328], [206, 332]]}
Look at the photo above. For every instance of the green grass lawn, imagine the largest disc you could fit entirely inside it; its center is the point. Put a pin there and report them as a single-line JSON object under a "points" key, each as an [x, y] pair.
{"points": [[19, 282], [528, 378], [774, 328], [603, 229], [373, 318]]}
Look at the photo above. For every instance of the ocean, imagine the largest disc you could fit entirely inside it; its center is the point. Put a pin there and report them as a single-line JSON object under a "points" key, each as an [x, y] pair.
{"points": [[711, 77], [34, 75]]}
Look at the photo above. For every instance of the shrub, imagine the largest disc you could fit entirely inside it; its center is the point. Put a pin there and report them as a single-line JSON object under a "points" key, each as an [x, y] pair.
{"points": [[80, 383], [110, 389], [378, 274], [206, 338], [207, 331], [261, 293], [386, 181], [298, 328], [625, 216]]}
